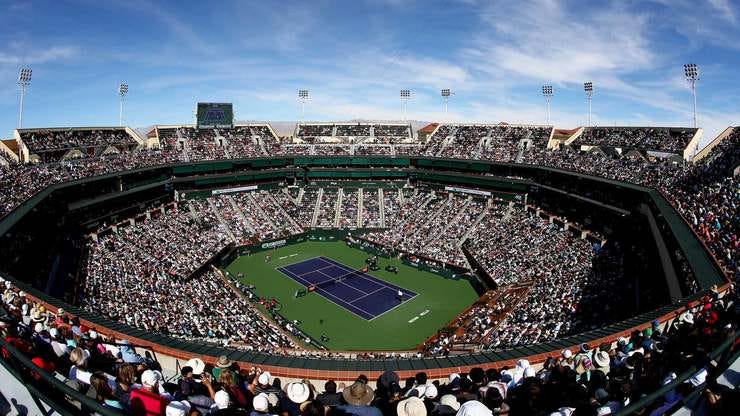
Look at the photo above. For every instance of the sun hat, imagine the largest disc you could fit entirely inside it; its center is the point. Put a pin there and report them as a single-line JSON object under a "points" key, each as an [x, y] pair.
{"points": [[358, 394], [297, 392], [197, 365], [601, 359], [264, 378], [260, 402], [176, 408], [149, 378], [431, 391], [222, 399], [36, 316], [449, 400], [474, 408], [223, 362], [413, 406]]}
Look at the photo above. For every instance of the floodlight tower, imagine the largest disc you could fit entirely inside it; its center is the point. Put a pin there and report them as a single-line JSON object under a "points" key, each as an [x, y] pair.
{"points": [[24, 80], [547, 93], [692, 75], [589, 88], [303, 97], [446, 93], [405, 97], [122, 91]]}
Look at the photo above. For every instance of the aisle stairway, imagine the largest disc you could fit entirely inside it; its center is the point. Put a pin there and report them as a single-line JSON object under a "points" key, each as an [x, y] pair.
{"points": [[338, 208], [316, 207], [381, 205], [221, 219]]}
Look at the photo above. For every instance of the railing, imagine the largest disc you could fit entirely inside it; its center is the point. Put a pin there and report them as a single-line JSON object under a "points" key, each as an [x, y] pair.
{"points": [[723, 355], [45, 389]]}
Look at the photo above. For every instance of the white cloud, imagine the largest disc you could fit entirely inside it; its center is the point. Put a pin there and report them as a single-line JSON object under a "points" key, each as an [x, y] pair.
{"points": [[39, 56], [725, 9]]}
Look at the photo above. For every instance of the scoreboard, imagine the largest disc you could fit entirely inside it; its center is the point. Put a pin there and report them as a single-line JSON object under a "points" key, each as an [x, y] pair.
{"points": [[215, 115]]}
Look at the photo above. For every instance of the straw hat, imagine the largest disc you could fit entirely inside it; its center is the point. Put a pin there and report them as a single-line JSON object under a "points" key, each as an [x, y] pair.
{"points": [[358, 394]]}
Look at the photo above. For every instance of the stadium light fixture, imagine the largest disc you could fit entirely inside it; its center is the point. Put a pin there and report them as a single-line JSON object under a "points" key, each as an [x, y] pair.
{"points": [[692, 75], [589, 88], [446, 93], [303, 97], [24, 80], [122, 91], [405, 97], [547, 93]]}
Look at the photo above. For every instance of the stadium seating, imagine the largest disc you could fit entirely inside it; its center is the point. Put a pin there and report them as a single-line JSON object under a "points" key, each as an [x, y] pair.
{"points": [[43, 345], [151, 270]]}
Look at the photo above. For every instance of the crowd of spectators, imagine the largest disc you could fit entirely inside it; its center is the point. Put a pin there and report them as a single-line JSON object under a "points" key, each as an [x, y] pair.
{"points": [[371, 207], [391, 133], [309, 132], [349, 210], [514, 250], [591, 380], [66, 139], [353, 130], [327, 208], [660, 139]]}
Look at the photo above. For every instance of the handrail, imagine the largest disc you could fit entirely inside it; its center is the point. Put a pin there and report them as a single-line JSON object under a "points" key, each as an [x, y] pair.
{"points": [[641, 404], [56, 384]]}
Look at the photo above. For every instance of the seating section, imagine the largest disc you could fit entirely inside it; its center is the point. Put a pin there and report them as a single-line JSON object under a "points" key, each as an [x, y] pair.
{"points": [[53, 145], [659, 139], [498, 142], [92, 361]]}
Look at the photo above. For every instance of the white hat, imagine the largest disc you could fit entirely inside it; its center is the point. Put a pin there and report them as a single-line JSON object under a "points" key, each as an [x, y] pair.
{"points": [[260, 403], [53, 332], [197, 365], [454, 376], [522, 364], [178, 408], [529, 372], [38, 327], [474, 408], [413, 406], [567, 354], [92, 334], [264, 378], [449, 400], [601, 359], [431, 391], [297, 392], [563, 411], [149, 378], [687, 317], [222, 399]]}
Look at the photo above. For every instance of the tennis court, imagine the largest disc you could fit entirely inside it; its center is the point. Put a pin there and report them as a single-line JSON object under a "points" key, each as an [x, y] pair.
{"points": [[358, 292]]}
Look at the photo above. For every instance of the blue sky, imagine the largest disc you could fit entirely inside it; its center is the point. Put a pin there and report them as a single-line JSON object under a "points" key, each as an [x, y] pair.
{"points": [[355, 55]]}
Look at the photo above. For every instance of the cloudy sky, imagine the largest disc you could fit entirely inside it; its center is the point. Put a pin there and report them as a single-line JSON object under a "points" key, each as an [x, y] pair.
{"points": [[355, 55]]}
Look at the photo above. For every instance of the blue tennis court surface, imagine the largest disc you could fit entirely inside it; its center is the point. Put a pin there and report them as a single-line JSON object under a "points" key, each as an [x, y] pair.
{"points": [[361, 293]]}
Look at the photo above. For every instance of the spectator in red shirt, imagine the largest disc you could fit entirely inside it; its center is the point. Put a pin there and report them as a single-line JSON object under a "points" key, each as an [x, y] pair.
{"points": [[146, 401]]}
